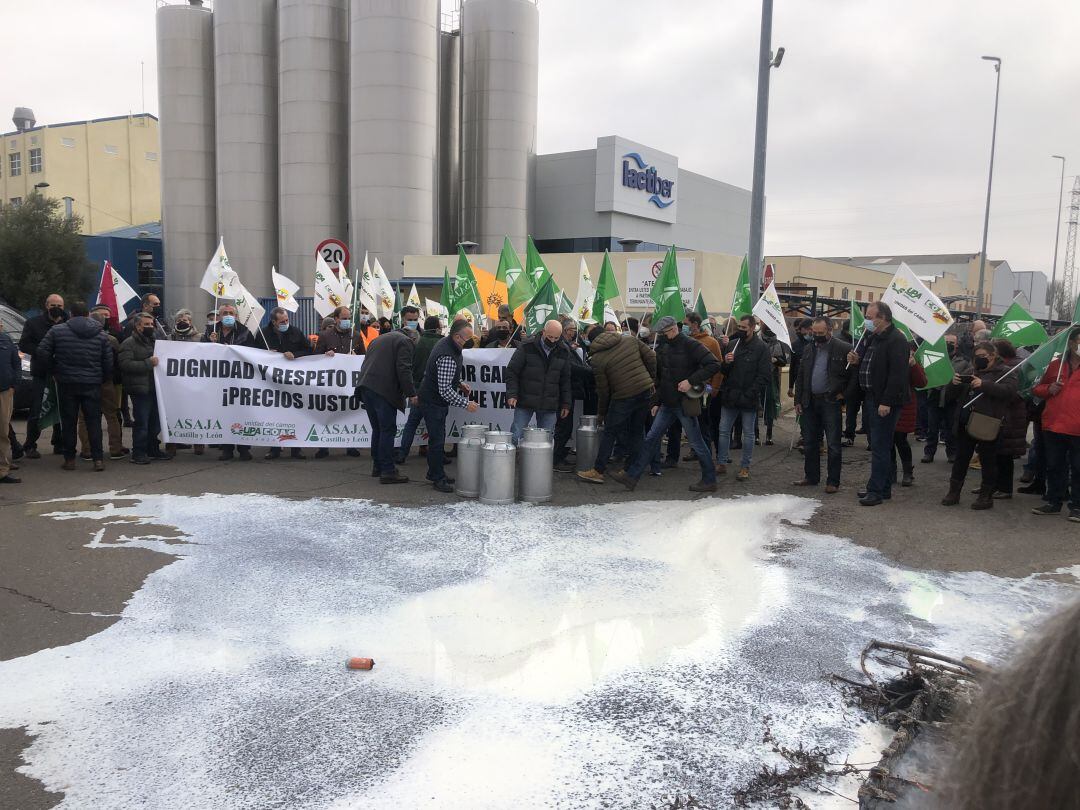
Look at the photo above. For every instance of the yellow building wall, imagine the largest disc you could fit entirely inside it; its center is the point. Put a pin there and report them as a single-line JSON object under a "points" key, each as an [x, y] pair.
{"points": [[830, 278], [111, 188]]}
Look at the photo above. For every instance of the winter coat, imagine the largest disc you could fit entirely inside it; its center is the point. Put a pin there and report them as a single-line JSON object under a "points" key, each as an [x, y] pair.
{"points": [[713, 345], [995, 398], [949, 393], [387, 368], [681, 359], [537, 380], [623, 367], [421, 353], [291, 340], [76, 352], [1014, 429], [335, 340], [114, 344], [237, 336], [34, 331], [1062, 411], [194, 336], [10, 364], [748, 377], [837, 373], [889, 383], [906, 422], [581, 373], [135, 364]]}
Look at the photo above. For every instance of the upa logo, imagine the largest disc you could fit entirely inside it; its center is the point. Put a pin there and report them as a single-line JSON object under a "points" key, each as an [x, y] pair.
{"points": [[929, 357], [645, 178]]}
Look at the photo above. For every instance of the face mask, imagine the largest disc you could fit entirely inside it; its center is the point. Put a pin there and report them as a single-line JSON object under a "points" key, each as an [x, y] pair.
{"points": [[951, 349], [501, 334], [643, 331], [147, 331], [981, 363], [156, 312], [283, 327], [686, 329], [365, 318], [56, 312], [228, 320], [183, 326], [551, 344], [413, 325], [345, 324], [821, 339]]}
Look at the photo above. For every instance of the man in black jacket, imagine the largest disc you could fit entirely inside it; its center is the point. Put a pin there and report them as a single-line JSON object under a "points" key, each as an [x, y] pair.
{"points": [[819, 394], [228, 331], [882, 373], [440, 390], [427, 341], [747, 375], [80, 359], [287, 340], [386, 384], [683, 366], [34, 331], [538, 380]]}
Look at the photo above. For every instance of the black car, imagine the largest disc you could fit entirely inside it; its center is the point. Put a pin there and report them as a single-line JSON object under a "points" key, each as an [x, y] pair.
{"points": [[13, 325]]}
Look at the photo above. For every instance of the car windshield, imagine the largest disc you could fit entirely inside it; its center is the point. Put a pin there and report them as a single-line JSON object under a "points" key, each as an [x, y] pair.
{"points": [[13, 322]]}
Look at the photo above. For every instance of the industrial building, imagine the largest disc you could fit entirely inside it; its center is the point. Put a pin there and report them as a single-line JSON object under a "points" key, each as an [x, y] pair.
{"points": [[395, 128], [105, 169]]}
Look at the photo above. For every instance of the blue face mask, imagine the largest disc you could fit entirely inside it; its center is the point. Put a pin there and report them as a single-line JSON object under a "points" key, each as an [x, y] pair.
{"points": [[283, 327], [412, 325], [345, 324], [228, 320], [686, 329]]}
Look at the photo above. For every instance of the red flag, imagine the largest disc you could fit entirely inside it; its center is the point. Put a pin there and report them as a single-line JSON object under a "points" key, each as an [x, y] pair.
{"points": [[107, 293]]}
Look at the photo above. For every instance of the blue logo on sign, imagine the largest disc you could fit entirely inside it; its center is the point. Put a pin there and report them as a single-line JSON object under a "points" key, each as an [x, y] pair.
{"points": [[645, 178]]}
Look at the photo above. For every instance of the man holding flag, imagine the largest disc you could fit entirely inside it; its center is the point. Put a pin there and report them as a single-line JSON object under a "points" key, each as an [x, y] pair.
{"points": [[1060, 388], [942, 396]]}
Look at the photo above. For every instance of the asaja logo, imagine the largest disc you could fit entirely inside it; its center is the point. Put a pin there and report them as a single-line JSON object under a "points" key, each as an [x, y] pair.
{"points": [[195, 424], [1012, 327], [313, 434], [541, 312], [929, 358]]}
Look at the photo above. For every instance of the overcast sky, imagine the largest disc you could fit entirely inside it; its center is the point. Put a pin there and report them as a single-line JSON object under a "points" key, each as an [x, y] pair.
{"points": [[880, 115]]}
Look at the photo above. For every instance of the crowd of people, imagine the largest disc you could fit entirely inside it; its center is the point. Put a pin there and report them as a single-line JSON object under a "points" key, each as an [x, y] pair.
{"points": [[651, 384]]}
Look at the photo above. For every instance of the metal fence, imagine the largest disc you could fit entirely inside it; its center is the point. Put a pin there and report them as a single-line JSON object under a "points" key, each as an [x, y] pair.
{"points": [[305, 318]]}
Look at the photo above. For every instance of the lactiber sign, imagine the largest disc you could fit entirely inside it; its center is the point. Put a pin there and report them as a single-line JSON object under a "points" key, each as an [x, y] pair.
{"points": [[635, 179]]}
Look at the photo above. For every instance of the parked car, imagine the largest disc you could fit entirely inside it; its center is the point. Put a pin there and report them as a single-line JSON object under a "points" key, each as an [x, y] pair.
{"points": [[13, 325]]}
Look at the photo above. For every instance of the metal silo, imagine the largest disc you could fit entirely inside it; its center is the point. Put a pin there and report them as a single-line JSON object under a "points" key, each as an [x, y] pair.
{"points": [[393, 120], [449, 162], [185, 48], [500, 40], [313, 75], [245, 78]]}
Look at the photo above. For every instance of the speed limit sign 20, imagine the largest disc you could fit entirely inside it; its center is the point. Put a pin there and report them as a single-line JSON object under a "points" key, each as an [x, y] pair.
{"points": [[335, 253]]}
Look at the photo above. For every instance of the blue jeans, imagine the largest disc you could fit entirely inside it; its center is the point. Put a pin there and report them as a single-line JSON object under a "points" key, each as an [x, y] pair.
{"points": [[435, 419], [522, 417], [383, 418], [625, 421], [822, 415], [663, 420], [408, 433], [748, 419], [879, 430], [144, 436], [1062, 464]]}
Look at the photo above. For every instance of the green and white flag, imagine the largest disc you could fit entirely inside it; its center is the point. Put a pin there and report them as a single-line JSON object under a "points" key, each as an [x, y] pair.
{"points": [[534, 265], [666, 292], [542, 308], [586, 296], [564, 304], [700, 309], [446, 297], [1035, 366], [466, 294], [934, 359], [518, 287], [905, 330], [50, 408], [858, 323], [742, 304], [607, 288], [771, 314], [1018, 327]]}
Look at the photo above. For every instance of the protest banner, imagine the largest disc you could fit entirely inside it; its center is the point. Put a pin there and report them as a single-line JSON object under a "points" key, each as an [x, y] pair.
{"points": [[213, 394]]}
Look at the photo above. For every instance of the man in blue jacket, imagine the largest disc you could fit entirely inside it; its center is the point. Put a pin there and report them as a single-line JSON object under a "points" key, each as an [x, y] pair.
{"points": [[80, 359]]}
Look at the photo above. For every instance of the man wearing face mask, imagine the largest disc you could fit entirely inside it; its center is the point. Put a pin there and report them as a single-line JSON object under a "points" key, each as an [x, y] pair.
{"points": [[941, 404], [538, 381], [335, 338], [150, 305], [34, 331], [427, 341], [230, 332], [185, 331], [882, 373], [109, 399], [440, 390], [747, 374], [288, 341], [367, 327], [820, 387], [501, 336], [137, 363]]}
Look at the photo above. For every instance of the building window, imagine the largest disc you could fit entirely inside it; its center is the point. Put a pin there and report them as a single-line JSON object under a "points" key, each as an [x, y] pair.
{"points": [[858, 295], [34, 140], [35, 161], [111, 150], [844, 293], [151, 155], [832, 292], [15, 164], [67, 143], [870, 296], [16, 201], [14, 144]]}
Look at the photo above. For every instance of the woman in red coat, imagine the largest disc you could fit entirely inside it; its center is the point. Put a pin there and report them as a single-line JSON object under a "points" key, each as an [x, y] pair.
{"points": [[1060, 387], [906, 423]]}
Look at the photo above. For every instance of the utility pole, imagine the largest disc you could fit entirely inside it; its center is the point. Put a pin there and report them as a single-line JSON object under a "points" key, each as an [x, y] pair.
{"points": [[1057, 235], [989, 186]]}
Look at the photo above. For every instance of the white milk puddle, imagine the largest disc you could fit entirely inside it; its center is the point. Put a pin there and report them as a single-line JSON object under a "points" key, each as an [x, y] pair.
{"points": [[525, 657]]}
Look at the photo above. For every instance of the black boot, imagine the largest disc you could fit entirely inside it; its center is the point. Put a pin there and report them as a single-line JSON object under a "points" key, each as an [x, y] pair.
{"points": [[909, 478], [953, 498], [985, 499]]}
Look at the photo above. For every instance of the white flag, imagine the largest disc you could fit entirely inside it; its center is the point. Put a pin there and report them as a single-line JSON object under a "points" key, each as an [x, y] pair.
{"points": [[121, 289], [586, 295], [414, 300], [610, 316], [435, 308], [249, 311], [915, 306], [329, 294], [219, 279], [286, 290], [384, 292], [771, 314], [367, 291]]}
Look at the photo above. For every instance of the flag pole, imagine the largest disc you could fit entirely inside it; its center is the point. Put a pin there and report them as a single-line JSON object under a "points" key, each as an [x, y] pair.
{"points": [[352, 307]]}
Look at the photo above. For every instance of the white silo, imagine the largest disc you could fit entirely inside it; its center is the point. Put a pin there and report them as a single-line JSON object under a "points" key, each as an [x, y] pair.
{"points": [[500, 41], [449, 157], [393, 120], [185, 48], [313, 76], [245, 78]]}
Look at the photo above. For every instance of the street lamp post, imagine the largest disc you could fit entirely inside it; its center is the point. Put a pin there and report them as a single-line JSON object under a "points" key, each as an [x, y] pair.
{"points": [[989, 186], [1057, 233], [766, 61]]}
